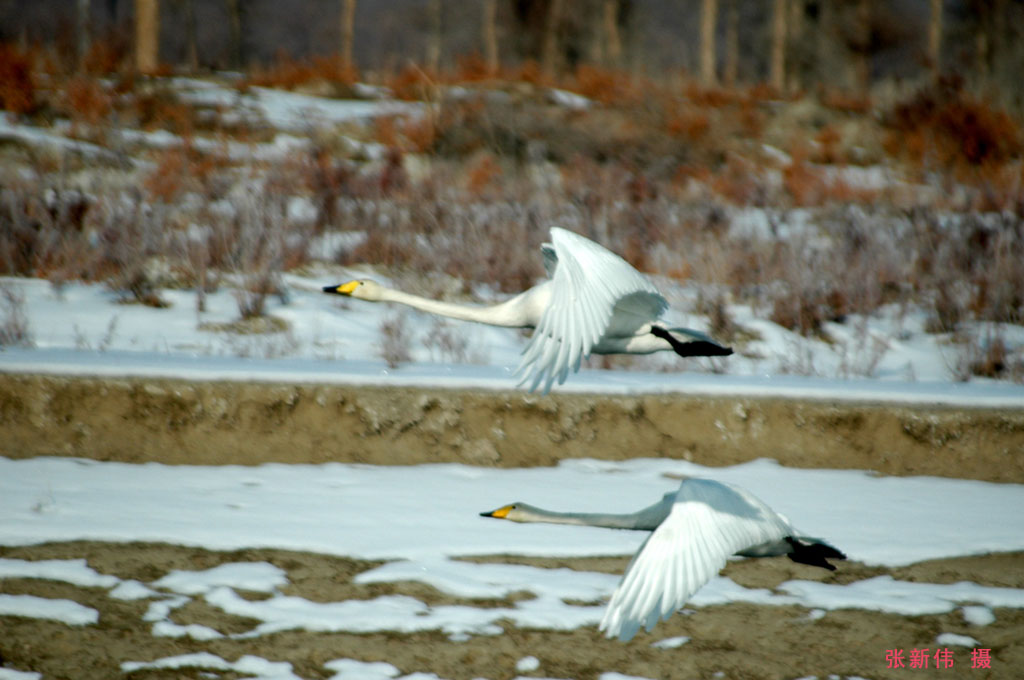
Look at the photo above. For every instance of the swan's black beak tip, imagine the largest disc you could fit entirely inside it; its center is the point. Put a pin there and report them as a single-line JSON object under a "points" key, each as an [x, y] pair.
{"points": [[331, 289], [486, 514]]}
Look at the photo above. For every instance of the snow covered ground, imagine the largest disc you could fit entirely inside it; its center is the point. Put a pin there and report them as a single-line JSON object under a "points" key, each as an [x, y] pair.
{"points": [[431, 517]]}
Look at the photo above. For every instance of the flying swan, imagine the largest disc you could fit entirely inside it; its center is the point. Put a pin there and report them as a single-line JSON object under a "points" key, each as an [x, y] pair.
{"points": [[695, 529], [593, 302]]}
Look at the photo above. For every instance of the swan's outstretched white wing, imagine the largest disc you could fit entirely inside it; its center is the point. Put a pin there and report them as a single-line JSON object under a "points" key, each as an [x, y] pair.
{"points": [[589, 286], [708, 522]]}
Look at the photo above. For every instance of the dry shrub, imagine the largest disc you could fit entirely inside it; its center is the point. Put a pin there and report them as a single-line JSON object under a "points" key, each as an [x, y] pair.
{"points": [[689, 123], [472, 68], [483, 174], [740, 182], [805, 309], [992, 360], [445, 343], [256, 248], [999, 188], [381, 247], [14, 325], [162, 108], [17, 86], [130, 237], [289, 73], [328, 180], [943, 125], [751, 119], [182, 168], [414, 83], [762, 92], [395, 340], [528, 72], [88, 101], [846, 102], [608, 86], [839, 190], [108, 55], [968, 266], [420, 133], [415, 134], [45, 229], [802, 182], [987, 357], [713, 97], [828, 149], [168, 179]]}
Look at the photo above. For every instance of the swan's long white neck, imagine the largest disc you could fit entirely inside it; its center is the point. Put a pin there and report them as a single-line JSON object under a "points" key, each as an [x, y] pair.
{"points": [[505, 314], [630, 520]]}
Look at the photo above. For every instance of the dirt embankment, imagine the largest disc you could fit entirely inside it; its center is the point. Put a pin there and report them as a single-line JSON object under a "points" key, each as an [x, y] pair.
{"points": [[177, 421]]}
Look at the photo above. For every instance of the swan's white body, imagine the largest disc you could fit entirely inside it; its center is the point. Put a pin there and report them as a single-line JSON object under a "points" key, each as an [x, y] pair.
{"points": [[594, 302], [695, 530]]}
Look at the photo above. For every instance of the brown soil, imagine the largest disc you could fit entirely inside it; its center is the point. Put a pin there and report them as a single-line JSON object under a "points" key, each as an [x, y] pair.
{"points": [[216, 423], [140, 420], [739, 640]]}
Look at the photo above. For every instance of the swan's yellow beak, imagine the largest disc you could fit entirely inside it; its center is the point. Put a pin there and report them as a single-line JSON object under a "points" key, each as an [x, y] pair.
{"points": [[343, 289], [500, 513]]}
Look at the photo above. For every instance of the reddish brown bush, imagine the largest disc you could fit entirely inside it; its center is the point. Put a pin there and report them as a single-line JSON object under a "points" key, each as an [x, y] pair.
{"points": [[846, 102], [943, 125], [87, 100], [691, 124], [17, 88], [483, 174], [472, 68], [803, 183], [829, 151], [413, 83], [108, 55], [288, 73], [608, 86]]}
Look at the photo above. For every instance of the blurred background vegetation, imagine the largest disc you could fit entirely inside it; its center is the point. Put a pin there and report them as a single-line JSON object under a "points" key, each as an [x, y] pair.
{"points": [[816, 160]]}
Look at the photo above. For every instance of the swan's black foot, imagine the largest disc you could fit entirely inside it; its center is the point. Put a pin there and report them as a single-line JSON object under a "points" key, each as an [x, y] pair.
{"points": [[697, 348], [814, 553]]}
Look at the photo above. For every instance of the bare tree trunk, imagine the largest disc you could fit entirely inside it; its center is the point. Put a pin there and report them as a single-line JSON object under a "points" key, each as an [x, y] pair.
{"points": [[549, 50], [613, 43], [147, 35], [708, 16], [825, 44], [982, 47], [862, 64], [191, 42], [777, 72], [935, 36], [732, 42], [490, 35], [235, 57], [596, 53], [82, 31], [794, 45], [434, 40], [348, 20]]}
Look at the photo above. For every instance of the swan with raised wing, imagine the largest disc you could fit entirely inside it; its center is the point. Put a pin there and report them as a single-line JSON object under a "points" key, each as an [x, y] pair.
{"points": [[695, 529], [594, 302]]}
